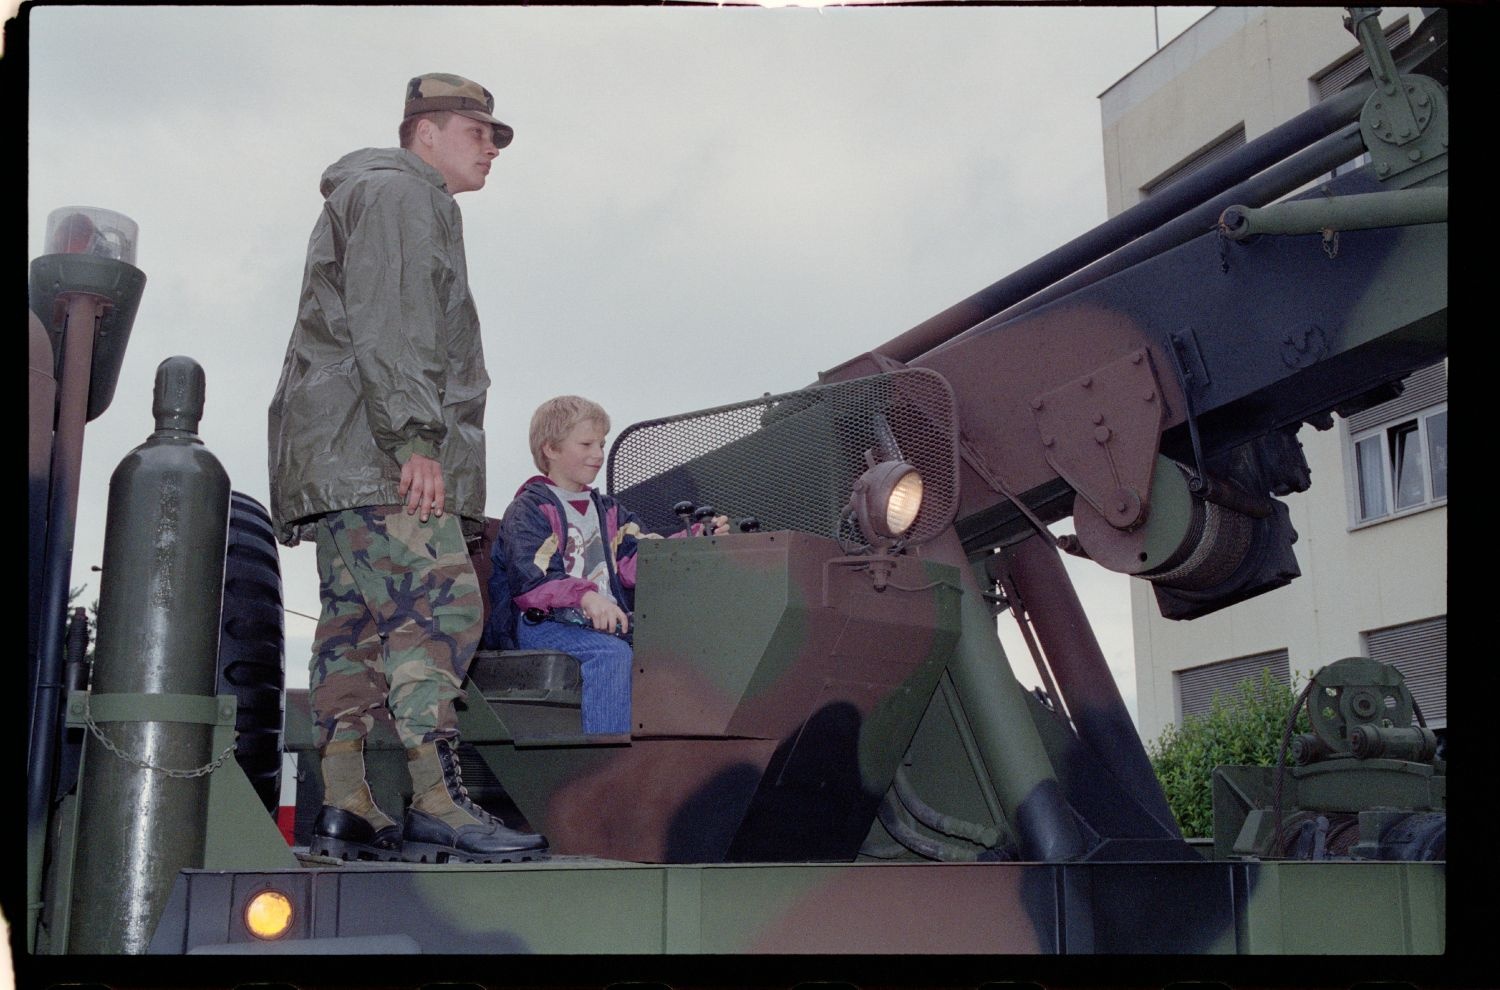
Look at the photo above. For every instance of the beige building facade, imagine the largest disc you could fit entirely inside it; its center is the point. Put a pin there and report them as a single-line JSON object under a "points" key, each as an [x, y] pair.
{"points": [[1372, 543]]}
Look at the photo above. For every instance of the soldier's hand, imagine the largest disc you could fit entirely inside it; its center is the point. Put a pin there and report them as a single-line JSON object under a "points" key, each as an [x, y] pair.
{"points": [[721, 525], [422, 485]]}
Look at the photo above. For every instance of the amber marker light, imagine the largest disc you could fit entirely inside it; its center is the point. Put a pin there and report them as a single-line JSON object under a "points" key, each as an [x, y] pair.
{"points": [[269, 914]]}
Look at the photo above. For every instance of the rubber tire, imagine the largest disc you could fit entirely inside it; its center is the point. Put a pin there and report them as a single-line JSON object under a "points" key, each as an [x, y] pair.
{"points": [[252, 645]]}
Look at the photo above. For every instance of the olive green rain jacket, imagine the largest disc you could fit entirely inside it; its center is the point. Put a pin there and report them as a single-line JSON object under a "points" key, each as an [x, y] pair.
{"points": [[385, 359]]}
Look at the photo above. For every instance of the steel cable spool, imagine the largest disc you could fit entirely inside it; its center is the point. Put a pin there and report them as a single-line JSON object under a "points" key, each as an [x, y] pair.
{"points": [[1217, 540], [1187, 542], [1340, 833]]}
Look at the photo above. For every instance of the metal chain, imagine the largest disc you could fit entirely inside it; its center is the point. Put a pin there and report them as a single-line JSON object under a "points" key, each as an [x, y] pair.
{"points": [[202, 771], [1330, 242]]}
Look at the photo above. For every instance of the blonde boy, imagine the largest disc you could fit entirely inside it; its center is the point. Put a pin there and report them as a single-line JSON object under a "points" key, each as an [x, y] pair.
{"points": [[568, 552]]}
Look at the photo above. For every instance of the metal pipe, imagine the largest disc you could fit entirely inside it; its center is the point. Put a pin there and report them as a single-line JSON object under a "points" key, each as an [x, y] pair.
{"points": [[985, 836], [1256, 156], [1395, 208], [83, 313], [1342, 146], [1023, 622], [993, 703], [41, 391], [890, 811], [1094, 703]]}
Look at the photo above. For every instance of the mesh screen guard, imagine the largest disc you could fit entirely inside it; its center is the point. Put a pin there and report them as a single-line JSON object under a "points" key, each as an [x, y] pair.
{"points": [[791, 460]]}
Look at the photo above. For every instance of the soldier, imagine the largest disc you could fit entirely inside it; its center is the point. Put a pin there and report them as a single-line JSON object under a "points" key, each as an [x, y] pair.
{"points": [[377, 454]]}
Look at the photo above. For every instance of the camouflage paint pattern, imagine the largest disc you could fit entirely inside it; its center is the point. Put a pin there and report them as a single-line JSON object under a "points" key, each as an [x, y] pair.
{"points": [[402, 615], [888, 909], [775, 692]]}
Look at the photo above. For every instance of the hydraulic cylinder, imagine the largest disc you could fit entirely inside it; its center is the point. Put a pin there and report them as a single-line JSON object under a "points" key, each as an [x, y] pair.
{"points": [[995, 705]]}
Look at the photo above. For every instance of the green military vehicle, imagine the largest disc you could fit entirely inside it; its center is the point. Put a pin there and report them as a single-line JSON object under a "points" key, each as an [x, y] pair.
{"points": [[840, 764]]}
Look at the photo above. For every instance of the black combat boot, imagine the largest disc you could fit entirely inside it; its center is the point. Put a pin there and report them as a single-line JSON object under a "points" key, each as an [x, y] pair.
{"points": [[350, 825], [444, 825], [345, 835]]}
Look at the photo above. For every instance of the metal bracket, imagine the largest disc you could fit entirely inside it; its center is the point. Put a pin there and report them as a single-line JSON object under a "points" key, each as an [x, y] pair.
{"points": [[194, 708], [1101, 433], [1404, 123], [1192, 375], [88, 710]]}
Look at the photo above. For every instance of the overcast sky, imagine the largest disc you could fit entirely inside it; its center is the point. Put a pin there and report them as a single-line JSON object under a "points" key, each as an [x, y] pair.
{"points": [[701, 205]]}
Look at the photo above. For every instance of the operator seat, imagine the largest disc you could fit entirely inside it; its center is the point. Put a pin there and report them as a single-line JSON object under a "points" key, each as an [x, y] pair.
{"points": [[537, 693]]}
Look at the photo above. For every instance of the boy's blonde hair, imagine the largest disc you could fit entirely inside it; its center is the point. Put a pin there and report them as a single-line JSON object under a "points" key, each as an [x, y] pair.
{"points": [[555, 419]]}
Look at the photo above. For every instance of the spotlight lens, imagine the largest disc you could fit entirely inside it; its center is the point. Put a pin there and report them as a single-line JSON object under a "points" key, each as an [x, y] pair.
{"points": [[905, 502], [269, 914]]}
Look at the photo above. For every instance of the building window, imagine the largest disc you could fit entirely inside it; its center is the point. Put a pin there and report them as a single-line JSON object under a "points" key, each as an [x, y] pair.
{"points": [[1403, 466], [1420, 651], [1197, 686], [1398, 450], [1216, 150]]}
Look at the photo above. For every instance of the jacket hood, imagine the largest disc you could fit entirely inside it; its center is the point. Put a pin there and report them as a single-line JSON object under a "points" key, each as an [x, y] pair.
{"points": [[368, 160]]}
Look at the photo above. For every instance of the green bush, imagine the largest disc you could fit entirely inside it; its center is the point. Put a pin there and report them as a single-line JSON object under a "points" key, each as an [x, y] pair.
{"points": [[1241, 729]]}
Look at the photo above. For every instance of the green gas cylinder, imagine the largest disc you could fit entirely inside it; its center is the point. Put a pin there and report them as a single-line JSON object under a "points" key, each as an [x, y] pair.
{"points": [[143, 794]]}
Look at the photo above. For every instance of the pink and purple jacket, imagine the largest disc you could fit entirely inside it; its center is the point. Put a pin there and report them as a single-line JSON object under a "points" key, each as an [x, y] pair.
{"points": [[534, 534], [527, 558]]}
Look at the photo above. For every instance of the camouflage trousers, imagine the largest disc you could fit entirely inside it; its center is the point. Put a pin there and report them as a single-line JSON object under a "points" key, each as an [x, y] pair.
{"points": [[402, 615]]}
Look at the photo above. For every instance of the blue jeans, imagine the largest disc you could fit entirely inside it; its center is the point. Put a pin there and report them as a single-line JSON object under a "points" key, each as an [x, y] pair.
{"points": [[605, 662]]}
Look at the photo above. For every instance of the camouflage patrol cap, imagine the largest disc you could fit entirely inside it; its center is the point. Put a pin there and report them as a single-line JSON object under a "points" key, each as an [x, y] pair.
{"points": [[445, 91]]}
